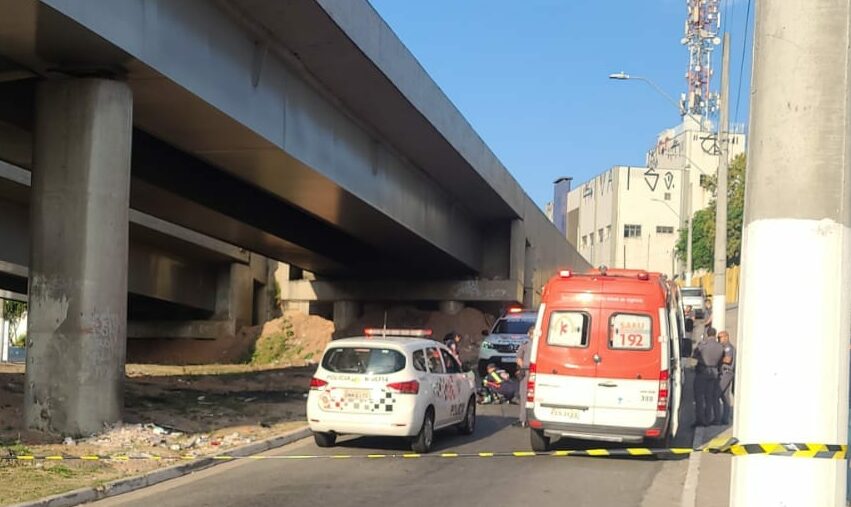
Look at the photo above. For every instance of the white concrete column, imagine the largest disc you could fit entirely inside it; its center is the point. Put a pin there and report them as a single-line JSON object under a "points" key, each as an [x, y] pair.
{"points": [[794, 327], [4, 340], [451, 307], [345, 313], [78, 262]]}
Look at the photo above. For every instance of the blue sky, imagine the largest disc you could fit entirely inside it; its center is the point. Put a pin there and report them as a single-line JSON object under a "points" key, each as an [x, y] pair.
{"points": [[531, 76]]}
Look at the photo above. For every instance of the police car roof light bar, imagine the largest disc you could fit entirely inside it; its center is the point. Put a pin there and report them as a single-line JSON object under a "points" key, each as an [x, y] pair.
{"points": [[407, 333]]}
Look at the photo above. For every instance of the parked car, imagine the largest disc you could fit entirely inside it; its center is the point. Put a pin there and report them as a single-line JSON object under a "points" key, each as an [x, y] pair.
{"points": [[390, 383], [694, 297], [501, 342]]}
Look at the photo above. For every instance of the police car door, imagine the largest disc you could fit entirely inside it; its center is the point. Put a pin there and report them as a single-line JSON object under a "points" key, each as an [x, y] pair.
{"points": [[438, 379], [454, 391]]}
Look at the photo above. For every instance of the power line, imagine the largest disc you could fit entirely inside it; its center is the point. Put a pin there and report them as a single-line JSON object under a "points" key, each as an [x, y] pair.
{"points": [[742, 62]]}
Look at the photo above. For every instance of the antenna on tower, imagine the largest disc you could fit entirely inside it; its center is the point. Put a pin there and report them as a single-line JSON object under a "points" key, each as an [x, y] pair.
{"points": [[702, 27]]}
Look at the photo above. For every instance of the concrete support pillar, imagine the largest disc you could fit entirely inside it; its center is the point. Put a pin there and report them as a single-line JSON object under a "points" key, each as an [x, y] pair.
{"points": [[235, 295], [451, 307], [345, 313], [517, 254], [78, 262], [4, 340], [793, 371]]}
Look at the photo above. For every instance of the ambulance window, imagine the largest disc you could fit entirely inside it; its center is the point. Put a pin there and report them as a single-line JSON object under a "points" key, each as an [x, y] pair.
{"points": [[435, 365], [569, 329], [629, 331], [452, 365], [419, 360]]}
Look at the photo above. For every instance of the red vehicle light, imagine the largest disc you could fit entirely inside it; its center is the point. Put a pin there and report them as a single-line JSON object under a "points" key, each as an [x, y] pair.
{"points": [[534, 423], [663, 391], [653, 432], [410, 387], [643, 276], [317, 383], [530, 390]]}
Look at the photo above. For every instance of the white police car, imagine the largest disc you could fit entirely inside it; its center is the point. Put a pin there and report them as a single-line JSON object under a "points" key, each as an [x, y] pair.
{"points": [[509, 331], [390, 383]]}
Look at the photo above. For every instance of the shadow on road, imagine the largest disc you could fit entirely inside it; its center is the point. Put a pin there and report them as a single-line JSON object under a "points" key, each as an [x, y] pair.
{"points": [[445, 439]]}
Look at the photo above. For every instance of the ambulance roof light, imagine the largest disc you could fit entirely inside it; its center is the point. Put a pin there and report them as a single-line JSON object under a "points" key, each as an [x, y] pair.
{"points": [[565, 273], [515, 309], [643, 276]]}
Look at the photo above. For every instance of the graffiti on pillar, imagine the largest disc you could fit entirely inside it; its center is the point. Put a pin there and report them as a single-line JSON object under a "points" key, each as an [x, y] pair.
{"points": [[669, 180], [651, 177]]}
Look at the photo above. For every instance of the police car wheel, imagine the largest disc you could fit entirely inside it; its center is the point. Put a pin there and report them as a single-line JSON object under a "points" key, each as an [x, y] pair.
{"points": [[323, 439], [540, 442], [468, 425], [425, 438]]}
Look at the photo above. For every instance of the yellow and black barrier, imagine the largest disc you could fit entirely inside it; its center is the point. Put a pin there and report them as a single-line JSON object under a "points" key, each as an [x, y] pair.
{"points": [[717, 446]]}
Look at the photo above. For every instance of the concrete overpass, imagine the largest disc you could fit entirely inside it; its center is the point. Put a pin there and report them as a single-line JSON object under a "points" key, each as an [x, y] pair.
{"points": [[301, 131]]}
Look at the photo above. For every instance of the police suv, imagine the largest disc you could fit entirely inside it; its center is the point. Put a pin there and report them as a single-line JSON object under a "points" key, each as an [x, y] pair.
{"points": [[500, 345], [391, 382]]}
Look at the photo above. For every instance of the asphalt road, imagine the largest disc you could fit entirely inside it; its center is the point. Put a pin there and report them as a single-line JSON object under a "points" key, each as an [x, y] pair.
{"points": [[436, 482], [539, 481]]}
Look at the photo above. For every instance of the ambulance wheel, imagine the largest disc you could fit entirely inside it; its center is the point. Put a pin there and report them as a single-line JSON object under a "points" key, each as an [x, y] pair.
{"points": [[468, 425], [323, 439], [540, 442], [425, 438]]}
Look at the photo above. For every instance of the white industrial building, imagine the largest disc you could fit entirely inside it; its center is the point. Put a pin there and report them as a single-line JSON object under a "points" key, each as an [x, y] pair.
{"points": [[629, 217]]}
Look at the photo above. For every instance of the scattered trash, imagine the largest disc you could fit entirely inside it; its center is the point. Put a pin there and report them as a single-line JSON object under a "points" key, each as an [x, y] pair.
{"points": [[174, 447], [201, 398], [69, 442]]}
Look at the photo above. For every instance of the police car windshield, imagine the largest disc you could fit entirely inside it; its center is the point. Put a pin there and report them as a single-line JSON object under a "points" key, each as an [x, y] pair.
{"points": [[505, 326], [374, 361], [692, 292]]}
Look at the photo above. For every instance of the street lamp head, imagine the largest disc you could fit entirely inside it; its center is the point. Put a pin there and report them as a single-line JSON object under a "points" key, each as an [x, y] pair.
{"points": [[621, 76]]}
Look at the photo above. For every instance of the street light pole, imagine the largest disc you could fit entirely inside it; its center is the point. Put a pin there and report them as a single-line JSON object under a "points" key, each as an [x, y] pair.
{"points": [[623, 76], [719, 292]]}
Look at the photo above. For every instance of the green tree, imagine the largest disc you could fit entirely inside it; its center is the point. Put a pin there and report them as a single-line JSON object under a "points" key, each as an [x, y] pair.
{"points": [[13, 312], [703, 233]]}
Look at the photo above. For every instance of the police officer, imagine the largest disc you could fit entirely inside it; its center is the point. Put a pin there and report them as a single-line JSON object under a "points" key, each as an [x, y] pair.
{"points": [[728, 368], [706, 380]]}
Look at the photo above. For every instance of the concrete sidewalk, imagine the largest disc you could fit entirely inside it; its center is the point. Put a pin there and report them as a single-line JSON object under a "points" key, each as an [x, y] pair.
{"points": [[708, 478]]}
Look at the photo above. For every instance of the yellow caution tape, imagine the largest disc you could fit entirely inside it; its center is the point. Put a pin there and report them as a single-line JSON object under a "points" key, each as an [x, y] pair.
{"points": [[717, 446]]}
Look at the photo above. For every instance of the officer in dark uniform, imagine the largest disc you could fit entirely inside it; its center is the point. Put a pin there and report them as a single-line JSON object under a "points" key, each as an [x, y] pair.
{"points": [[706, 380], [728, 369]]}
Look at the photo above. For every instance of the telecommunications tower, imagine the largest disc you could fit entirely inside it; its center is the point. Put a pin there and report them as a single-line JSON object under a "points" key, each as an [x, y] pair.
{"points": [[701, 36]]}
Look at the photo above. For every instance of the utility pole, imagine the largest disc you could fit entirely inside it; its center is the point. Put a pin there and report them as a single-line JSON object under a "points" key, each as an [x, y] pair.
{"points": [[794, 327], [719, 292]]}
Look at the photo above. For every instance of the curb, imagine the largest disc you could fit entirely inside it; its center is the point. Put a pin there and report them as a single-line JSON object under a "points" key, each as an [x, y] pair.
{"points": [[126, 485]]}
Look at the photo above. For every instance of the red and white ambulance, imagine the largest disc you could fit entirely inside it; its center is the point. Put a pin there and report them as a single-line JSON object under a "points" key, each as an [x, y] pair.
{"points": [[605, 361]]}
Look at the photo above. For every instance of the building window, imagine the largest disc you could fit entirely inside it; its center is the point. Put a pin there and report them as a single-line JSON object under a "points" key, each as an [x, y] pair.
{"points": [[704, 179], [631, 231], [664, 229], [608, 231], [667, 196], [584, 241], [591, 239], [600, 235]]}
